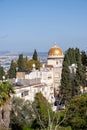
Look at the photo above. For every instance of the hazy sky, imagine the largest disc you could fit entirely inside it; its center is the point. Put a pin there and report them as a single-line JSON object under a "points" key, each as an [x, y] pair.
{"points": [[26, 25]]}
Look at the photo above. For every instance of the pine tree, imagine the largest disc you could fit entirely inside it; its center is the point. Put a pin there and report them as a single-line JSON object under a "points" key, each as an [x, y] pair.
{"points": [[66, 87], [35, 56]]}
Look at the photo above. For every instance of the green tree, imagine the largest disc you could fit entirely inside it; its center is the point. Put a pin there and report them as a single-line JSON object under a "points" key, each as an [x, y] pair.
{"points": [[37, 64], [66, 87], [21, 65], [80, 78], [43, 112], [2, 73], [84, 58], [78, 56], [29, 64], [70, 56], [35, 55], [21, 113], [76, 116], [46, 119], [74, 56], [5, 90], [12, 70]]}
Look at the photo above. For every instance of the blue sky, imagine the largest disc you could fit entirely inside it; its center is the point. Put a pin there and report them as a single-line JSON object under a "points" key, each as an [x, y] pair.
{"points": [[26, 25]]}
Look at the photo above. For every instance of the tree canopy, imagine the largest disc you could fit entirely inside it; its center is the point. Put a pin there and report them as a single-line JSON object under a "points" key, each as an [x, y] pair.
{"points": [[12, 70], [66, 87], [5, 90], [2, 73], [42, 110], [76, 116], [35, 55], [71, 84], [21, 113], [84, 58], [20, 63]]}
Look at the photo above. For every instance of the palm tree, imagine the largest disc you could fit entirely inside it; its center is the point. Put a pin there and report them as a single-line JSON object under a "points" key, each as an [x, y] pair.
{"points": [[6, 90]]}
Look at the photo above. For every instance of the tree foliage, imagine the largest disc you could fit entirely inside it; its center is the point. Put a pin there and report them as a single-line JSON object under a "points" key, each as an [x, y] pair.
{"points": [[84, 58], [35, 55], [20, 62], [29, 64], [80, 78], [12, 70], [21, 113], [77, 113], [72, 56], [2, 73], [26, 64], [66, 87], [5, 90], [35, 116], [43, 112], [23, 64]]}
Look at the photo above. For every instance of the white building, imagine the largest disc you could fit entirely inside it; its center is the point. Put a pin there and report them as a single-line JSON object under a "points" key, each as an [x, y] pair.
{"points": [[45, 80], [55, 59]]}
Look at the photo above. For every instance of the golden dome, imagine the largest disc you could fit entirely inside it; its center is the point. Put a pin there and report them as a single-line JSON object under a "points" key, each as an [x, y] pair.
{"points": [[55, 51]]}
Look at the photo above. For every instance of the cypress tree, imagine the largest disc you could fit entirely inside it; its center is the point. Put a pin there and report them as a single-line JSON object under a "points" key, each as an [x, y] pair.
{"points": [[2, 73], [20, 62], [12, 70], [66, 87], [84, 58], [80, 78], [70, 56], [35, 56], [78, 56], [67, 58]]}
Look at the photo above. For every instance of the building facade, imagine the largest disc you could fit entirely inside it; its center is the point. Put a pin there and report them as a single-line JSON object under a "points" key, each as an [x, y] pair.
{"points": [[46, 80]]}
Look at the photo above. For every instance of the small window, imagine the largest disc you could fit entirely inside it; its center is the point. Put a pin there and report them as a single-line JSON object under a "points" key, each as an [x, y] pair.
{"points": [[25, 93]]}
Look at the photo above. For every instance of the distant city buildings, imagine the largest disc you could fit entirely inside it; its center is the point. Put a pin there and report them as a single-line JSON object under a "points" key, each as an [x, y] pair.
{"points": [[5, 59]]}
